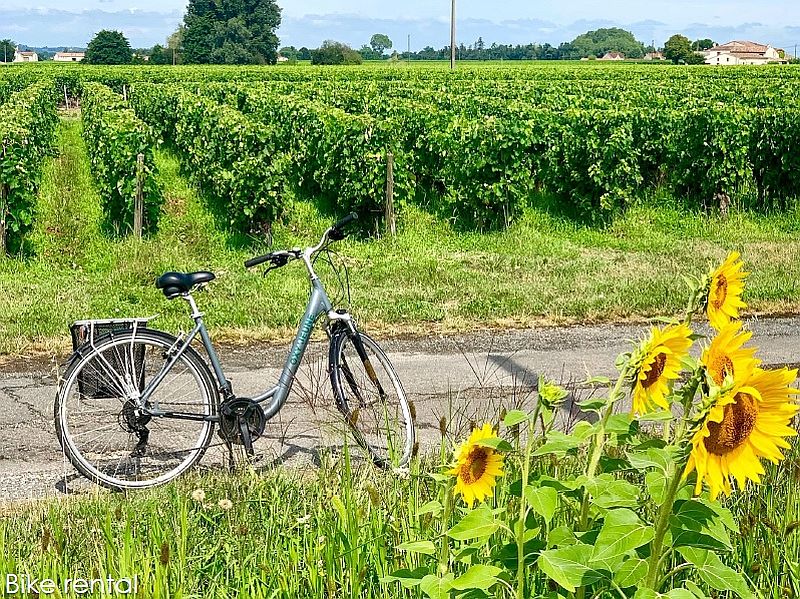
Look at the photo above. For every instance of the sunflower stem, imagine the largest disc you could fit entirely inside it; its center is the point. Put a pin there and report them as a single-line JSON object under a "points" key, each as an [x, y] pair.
{"points": [[662, 523], [523, 502], [596, 454], [444, 550]]}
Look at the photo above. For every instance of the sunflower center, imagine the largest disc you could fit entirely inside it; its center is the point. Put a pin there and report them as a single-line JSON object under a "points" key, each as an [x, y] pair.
{"points": [[656, 370], [474, 466], [720, 291], [737, 424], [721, 367]]}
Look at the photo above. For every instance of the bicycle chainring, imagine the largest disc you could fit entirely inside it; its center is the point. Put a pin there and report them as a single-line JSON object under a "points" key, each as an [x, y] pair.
{"points": [[235, 411]]}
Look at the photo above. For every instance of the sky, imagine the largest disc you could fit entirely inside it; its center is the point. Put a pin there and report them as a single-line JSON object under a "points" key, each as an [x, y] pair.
{"points": [[308, 23]]}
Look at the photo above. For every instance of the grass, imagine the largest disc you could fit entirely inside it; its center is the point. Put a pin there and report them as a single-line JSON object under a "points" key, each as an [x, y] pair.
{"points": [[545, 269], [331, 532]]}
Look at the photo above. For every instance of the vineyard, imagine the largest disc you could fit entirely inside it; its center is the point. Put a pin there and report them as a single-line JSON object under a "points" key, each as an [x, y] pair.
{"points": [[474, 150], [477, 146]]}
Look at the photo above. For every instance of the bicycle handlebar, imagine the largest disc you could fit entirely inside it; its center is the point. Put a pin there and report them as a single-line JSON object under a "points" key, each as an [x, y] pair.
{"points": [[282, 257]]}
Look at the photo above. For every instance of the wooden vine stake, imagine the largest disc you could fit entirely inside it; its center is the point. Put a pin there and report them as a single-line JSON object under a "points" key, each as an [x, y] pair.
{"points": [[66, 98], [138, 206], [391, 221]]}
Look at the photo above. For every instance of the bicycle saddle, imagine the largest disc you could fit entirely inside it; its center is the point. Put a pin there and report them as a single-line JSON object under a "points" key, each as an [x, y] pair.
{"points": [[173, 284]]}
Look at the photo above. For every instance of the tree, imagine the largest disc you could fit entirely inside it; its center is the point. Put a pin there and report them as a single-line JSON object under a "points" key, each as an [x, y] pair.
{"points": [[380, 42], [332, 52], [304, 54], [678, 49], [7, 48], [160, 55], [597, 43], [109, 47], [704, 44], [241, 32]]}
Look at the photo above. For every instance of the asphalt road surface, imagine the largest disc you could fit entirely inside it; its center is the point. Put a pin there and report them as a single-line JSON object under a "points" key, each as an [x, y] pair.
{"points": [[462, 378]]}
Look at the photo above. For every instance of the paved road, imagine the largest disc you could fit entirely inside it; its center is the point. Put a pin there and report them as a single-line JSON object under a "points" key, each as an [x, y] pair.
{"points": [[462, 378]]}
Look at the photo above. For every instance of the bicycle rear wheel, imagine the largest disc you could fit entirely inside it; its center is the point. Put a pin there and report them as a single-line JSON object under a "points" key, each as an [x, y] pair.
{"points": [[369, 394], [105, 429]]}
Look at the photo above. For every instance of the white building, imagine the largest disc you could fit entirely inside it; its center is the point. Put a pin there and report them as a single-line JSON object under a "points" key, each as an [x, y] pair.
{"points": [[25, 56], [742, 52], [69, 56]]}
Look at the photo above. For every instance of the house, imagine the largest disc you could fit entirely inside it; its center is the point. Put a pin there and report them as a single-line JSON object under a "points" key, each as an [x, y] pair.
{"points": [[25, 56], [283, 59], [742, 52], [613, 56], [654, 56], [69, 56]]}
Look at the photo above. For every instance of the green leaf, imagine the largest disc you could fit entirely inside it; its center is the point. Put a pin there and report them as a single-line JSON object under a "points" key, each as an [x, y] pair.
{"points": [[569, 566], [423, 547], [495, 443], [694, 524], [621, 533], [478, 523], [543, 501], [515, 417], [680, 594], [477, 577], [608, 492], [652, 457], [630, 573], [407, 578], [432, 507], [656, 483], [435, 587], [716, 574]]}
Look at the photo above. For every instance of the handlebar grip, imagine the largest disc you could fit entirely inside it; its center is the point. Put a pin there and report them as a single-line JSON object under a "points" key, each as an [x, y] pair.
{"points": [[258, 260], [346, 220]]}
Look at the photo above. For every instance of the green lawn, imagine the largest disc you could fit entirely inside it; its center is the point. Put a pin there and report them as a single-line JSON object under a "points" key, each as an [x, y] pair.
{"points": [[545, 269]]}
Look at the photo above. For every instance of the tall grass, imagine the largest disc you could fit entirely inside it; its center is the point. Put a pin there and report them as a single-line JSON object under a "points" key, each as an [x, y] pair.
{"points": [[325, 532]]}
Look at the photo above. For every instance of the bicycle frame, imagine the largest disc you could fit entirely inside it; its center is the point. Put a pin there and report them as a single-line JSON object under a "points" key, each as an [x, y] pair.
{"points": [[319, 304]]}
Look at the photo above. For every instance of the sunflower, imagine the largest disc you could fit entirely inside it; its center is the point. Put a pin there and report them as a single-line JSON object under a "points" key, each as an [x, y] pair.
{"points": [[725, 292], [658, 363], [726, 356], [747, 423], [477, 467]]}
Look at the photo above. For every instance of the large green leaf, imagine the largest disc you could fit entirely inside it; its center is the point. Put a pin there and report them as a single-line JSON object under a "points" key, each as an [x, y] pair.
{"points": [[569, 566], [714, 573], [435, 587], [407, 578], [608, 492], [543, 501], [695, 524], [622, 532], [423, 547], [478, 523], [479, 576], [630, 573]]}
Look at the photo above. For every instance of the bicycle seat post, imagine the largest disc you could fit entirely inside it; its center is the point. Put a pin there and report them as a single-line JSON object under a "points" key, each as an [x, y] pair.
{"points": [[196, 314]]}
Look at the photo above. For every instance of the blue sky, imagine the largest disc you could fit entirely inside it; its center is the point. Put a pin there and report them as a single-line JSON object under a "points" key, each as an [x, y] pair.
{"points": [[307, 23]]}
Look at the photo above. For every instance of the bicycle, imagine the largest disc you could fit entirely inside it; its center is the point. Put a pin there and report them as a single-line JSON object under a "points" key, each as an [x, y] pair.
{"points": [[121, 424]]}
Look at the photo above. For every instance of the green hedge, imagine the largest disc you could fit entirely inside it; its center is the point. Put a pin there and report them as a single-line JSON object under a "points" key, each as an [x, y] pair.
{"points": [[115, 136], [233, 157], [28, 122]]}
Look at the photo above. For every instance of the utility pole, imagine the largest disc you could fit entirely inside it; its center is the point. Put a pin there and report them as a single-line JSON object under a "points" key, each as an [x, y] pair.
{"points": [[409, 50], [453, 36]]}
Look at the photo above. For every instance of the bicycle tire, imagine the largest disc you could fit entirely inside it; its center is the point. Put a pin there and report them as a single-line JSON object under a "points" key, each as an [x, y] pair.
{"points": [[351, 389], [108, 348]]}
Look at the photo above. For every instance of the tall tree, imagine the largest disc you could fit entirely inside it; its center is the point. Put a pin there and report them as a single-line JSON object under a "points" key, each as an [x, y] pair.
{"points": [[678, 49], [703, 44], [380, 42], [109, 47], [600, 41], [7, 49], [231, 32]]}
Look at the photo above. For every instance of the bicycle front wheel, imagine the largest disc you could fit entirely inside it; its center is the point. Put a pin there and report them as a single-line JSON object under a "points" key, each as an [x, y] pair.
{"points": [[369, 394], [109, 433]]}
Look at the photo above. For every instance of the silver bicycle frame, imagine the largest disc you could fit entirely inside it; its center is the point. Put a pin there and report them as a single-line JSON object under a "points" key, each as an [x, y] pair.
{"points": [[319, 304]]}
